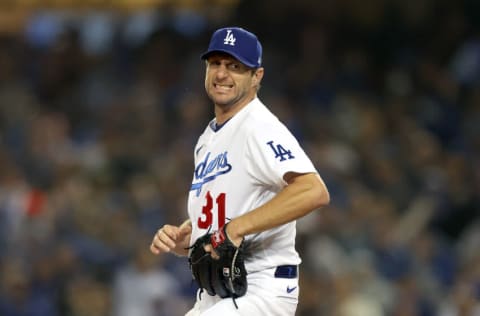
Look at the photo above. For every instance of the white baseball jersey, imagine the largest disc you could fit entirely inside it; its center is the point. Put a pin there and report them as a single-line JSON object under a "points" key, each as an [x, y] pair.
{"points": [[239, 167]]}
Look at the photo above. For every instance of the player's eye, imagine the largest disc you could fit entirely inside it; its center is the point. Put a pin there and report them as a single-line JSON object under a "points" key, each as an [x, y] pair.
{"points": [[215, 63], [236, 67]]}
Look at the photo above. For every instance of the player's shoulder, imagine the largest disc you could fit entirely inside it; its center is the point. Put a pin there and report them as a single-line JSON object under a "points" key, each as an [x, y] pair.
{"points": [[260, 116], [262, 121]]}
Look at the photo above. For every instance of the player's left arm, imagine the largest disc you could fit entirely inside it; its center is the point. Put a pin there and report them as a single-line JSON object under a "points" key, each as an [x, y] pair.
{"points": [[303, 194]]}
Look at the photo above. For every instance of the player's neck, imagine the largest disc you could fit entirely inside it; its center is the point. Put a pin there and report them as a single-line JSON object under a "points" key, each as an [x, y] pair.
{"points": [[225, 112]]}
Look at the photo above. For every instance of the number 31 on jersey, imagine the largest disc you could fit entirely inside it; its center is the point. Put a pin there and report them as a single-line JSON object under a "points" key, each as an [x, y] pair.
{"points": [[214, 206]]}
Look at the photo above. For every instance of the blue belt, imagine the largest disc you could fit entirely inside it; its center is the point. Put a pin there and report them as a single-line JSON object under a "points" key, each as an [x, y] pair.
{"points": [[286, 272]]}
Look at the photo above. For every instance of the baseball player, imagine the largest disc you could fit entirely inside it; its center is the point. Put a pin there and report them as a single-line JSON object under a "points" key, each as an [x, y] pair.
{"points": [[252, 179]]}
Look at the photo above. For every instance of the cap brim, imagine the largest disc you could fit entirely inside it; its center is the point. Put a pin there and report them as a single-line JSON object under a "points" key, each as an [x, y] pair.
{"points": [[246, 63]]}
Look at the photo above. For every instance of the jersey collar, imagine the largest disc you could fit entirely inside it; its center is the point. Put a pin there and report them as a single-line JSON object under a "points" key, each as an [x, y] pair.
{"points": [[216, 127]]}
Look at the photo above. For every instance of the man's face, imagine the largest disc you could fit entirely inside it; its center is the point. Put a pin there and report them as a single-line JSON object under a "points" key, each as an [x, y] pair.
{"points": [[229, 82]]}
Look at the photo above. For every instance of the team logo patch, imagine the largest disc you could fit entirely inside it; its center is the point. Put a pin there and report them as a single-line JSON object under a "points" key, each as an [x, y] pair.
{"points": [[280, 151], [229, 38], [226, 272], [217, 238]]}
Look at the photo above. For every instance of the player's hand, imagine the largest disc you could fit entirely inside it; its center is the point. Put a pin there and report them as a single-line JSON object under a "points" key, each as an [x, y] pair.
{"points": [[209, 248], [171, 238]]}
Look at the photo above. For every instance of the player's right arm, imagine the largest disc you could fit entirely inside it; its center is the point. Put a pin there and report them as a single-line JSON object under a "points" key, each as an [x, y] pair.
{"points": [[175, 239]]}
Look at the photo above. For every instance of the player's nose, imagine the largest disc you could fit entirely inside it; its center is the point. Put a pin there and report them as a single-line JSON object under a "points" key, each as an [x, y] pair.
{"points": [[221, 72]]}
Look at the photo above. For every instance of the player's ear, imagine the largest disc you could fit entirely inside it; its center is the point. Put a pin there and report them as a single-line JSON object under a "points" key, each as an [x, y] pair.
{"points": [[257, 76]]}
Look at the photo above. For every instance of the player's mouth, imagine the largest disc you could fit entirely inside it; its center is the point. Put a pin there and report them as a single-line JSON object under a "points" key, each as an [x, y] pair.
{"points": [[222, 87]]}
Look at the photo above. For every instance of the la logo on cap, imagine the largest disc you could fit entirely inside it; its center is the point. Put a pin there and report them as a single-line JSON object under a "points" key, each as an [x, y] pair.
{"points": [[229, 38]]}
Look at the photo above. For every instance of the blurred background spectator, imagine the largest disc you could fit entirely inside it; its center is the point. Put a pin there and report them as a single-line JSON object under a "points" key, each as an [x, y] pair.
{"points": [[100, 105]]}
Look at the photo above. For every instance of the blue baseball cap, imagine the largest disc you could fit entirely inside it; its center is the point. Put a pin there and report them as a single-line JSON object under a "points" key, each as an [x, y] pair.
{"points": [[238, 42]]}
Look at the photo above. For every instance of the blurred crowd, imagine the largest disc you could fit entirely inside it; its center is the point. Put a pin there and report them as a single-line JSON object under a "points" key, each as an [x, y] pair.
{"points": [[99, 114]]}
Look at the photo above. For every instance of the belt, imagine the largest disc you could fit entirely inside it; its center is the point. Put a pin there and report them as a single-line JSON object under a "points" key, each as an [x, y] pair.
{"points": [[286, 272]]}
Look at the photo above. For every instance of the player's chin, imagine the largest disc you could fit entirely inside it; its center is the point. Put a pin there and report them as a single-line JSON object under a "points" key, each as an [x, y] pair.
{"points": [[222, 99]]}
